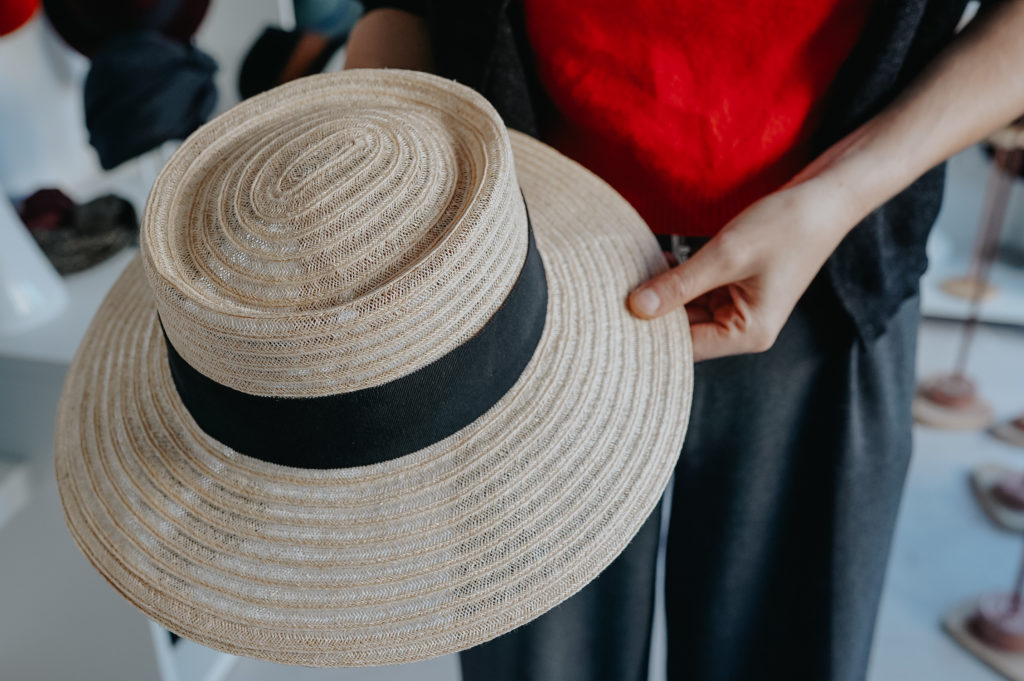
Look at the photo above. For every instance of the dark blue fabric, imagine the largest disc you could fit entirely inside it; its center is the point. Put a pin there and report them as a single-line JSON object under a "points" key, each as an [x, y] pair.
{"points": [[601, 634], [783, 507], [785, 501], [142, 90]]}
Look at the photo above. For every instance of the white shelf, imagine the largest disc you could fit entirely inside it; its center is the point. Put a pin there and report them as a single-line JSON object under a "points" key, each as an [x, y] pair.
{"points": [[1005, 307], [952, 244], [56, 341]]}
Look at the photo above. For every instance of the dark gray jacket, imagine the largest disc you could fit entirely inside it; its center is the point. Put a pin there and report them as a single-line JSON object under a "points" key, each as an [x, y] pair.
{"points": [[482, 43]]}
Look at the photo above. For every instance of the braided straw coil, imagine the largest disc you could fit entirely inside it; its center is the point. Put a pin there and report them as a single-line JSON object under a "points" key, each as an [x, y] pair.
{"points": [[331, 235]]}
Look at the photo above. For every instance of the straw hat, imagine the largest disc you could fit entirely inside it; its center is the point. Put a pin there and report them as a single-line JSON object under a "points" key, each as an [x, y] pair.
{"points": [[401, 407]]}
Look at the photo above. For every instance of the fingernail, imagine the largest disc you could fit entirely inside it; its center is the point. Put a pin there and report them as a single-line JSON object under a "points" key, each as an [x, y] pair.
{"points": [[646, 301]]}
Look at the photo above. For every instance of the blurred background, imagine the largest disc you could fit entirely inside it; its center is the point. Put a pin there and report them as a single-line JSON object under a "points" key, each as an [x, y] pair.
{"points": [[94, 98]]}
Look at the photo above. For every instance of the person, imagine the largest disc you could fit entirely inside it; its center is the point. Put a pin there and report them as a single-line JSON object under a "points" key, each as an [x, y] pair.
{"points": [[798, 147]]}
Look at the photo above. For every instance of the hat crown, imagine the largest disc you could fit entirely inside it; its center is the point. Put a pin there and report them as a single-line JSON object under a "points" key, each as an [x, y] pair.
{"points": [[335, 233]]}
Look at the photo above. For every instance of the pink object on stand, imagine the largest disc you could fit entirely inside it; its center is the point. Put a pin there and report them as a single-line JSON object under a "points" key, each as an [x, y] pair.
{"points": [[1009, 491], [951, 401]]}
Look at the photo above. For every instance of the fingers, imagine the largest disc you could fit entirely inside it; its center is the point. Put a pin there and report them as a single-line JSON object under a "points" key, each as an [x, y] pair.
{"points": [[697, 314], [722, 291], [711, 341], [723, 322], [710, 267], [731, 325]]}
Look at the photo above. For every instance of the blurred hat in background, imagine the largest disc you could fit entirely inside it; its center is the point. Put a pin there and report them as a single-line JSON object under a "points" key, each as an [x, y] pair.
{"points": [[15, 13], [144, 89], [88, 25]]}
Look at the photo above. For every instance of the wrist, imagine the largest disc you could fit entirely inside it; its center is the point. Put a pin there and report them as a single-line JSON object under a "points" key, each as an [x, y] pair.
{"points": [[830, 207], [854, 177]]}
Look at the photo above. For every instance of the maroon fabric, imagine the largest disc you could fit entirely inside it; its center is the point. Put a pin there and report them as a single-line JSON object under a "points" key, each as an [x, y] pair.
{"points": [[87, 25], [46, 209], [76, 239]]}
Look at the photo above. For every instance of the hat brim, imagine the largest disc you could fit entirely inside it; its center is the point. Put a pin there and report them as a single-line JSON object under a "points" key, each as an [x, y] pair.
{"points": [[428, 554]]}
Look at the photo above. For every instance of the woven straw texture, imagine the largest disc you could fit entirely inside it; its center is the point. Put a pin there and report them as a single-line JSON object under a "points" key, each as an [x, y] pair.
{"points": [[332, 234], [324, 226]]}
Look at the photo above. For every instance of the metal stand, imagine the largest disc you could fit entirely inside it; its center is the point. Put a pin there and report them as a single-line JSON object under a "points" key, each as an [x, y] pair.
{"points": [[952, 400]]}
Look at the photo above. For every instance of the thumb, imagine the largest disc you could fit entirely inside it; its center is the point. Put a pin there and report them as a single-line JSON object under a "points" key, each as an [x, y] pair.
{"points": [[708, 268]]}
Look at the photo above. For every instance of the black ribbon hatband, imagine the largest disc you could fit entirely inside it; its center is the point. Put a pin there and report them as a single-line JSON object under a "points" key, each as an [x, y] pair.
{"points": [[386, 421]]}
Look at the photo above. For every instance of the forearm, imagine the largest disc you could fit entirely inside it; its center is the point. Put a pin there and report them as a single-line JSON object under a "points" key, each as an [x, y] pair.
{"points": [[389, 38], [974, 87]]}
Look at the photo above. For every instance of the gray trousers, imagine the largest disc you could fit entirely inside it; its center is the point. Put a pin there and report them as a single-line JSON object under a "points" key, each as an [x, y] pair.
{"points": [[783, 510]]}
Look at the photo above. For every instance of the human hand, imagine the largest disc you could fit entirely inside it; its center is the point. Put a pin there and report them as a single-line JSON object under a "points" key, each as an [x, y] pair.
{"points": [[740, 288]]}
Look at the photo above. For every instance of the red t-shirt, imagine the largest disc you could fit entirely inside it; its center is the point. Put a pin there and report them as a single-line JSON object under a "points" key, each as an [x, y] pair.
{"points": [[691, 110]]}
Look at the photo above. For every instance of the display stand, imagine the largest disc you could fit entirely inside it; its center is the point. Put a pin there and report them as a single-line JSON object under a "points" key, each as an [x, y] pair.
{"points": [[1000, 492], [992, 628], [952, 400], [1011, 432]]}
